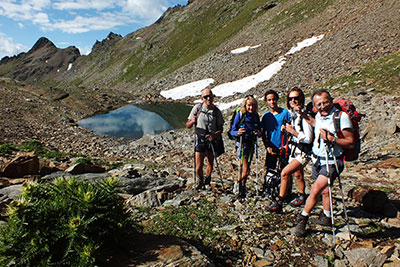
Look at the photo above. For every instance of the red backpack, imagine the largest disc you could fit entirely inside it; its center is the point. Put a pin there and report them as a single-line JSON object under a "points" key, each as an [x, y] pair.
{"points": [[345, 105]]}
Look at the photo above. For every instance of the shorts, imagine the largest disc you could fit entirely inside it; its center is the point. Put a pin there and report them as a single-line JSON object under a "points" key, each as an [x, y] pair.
{"points": [[202, 144], [247, 150], [300, 156], [320, 169]]}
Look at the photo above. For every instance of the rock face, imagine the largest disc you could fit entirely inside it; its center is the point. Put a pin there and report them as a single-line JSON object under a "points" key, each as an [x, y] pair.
{"points": [[41, 62], [107, 43]]}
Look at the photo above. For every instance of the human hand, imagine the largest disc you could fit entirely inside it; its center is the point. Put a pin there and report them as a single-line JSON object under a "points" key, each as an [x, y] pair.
{"points": [[271, 151], [290, 129], [194, 119], [241, 131]]}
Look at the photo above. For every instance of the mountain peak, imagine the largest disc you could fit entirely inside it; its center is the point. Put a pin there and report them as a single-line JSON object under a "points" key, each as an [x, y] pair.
{"points": [[42, 42]]}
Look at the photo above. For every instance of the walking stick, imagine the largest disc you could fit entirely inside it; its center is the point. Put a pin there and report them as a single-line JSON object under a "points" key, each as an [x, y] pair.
{"points": [[240, 159], [257, 184], [194, 158], [330, 193], [216, 164], [341, 191]]}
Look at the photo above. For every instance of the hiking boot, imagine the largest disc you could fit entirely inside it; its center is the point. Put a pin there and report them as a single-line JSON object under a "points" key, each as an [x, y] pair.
{"points": [[242, 191], [323, 220], [207, 180], [298, 201], [235, 188], [200, 183], [275, 206], [300, 229]]}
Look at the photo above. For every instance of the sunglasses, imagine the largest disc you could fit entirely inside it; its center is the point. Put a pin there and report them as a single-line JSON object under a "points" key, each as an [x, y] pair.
{"points": [[207, 96], [294, 98]]}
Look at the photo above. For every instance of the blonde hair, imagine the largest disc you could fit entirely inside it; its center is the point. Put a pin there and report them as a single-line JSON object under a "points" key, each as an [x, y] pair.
{"points": [[252, 101]]}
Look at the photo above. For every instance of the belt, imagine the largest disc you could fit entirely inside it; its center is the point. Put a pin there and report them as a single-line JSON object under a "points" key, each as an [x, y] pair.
{"points": [[329, 158]]}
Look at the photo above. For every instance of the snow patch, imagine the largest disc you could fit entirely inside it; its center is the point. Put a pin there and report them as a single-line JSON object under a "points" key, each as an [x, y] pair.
{"points": [[238, 86], [244, 49], [190, 89]]}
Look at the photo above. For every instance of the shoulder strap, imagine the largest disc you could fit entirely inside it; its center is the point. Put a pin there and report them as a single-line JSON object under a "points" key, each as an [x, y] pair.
{"points": [[336, 120], [199, 109], [241, 118], [301, 124]]}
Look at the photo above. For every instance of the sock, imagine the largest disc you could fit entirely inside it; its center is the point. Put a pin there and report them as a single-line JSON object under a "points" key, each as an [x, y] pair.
{"points": [[304, 213], [327, 213]]}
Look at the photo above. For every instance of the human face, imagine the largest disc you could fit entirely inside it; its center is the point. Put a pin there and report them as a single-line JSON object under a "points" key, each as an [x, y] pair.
{"points": [[207, 97], [250, 107], [294, 99], [272, 101], [323, 104]]}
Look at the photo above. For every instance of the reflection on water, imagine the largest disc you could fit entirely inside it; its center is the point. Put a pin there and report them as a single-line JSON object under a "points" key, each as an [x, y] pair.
{"points": [[128, 121]]}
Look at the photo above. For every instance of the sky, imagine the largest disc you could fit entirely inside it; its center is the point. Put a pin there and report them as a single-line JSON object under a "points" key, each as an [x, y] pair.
{"points": [[238, 86], [73, 22]]}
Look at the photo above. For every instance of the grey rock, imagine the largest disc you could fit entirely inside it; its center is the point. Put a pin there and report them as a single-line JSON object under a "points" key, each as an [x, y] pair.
{"points": [[320, 261], [365, 257]]}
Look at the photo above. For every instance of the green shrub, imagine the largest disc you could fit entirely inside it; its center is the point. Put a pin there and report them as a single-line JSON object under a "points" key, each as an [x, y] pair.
{"points": [[84, 160], [7, 148], [64, 223], [30, 146]]}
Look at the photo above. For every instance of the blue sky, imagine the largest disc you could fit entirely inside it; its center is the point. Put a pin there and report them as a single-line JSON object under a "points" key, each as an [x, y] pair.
{"points": [[73, 22]]}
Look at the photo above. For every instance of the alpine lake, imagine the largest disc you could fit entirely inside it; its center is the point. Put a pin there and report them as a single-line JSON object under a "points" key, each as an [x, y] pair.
{"points": [[134, 121]]}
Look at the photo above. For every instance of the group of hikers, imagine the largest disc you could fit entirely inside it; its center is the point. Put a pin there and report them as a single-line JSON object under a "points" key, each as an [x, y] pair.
{"points": [[302, 133]]}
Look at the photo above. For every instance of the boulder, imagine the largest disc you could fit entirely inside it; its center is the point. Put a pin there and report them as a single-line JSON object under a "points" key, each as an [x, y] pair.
{"points": [[21, 165], [81, 168]]}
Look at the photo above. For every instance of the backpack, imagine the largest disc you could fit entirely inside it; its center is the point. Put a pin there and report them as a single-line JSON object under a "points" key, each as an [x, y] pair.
{"points": [[241, 121], [272, 184], [345, 105]]}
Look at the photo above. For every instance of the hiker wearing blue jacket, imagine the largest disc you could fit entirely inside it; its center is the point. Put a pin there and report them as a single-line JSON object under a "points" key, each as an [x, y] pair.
{"points": [[271, 123], [245, 129]]}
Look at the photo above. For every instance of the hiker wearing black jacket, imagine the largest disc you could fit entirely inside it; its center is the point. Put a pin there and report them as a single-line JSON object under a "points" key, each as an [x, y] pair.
{"points": [[208, 122], [327, 147], [246, 128]]}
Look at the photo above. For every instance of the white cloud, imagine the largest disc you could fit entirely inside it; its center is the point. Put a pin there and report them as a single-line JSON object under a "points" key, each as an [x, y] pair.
{"points": [[84, 4], [81, 24], [145, 9], [9, 47], [20, 25], [85, 50], [38, 4]]}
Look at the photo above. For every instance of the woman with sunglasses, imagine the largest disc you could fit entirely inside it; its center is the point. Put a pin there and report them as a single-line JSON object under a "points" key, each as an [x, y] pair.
{"points": [[300, 146], [245, 129]]}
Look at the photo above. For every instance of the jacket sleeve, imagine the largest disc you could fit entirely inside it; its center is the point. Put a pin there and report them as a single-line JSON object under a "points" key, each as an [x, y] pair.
{"points": [[306, 136], [235, 125]]}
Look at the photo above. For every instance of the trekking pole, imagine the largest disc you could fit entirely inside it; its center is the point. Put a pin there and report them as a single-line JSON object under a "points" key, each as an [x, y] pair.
{"points": [[194, 158], [341, 191], [257, 184], [216, 164], [240, 159], [330, 192]]}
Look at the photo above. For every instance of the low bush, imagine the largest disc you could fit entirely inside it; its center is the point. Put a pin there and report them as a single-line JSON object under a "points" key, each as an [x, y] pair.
{"points": [[64, 223]]}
